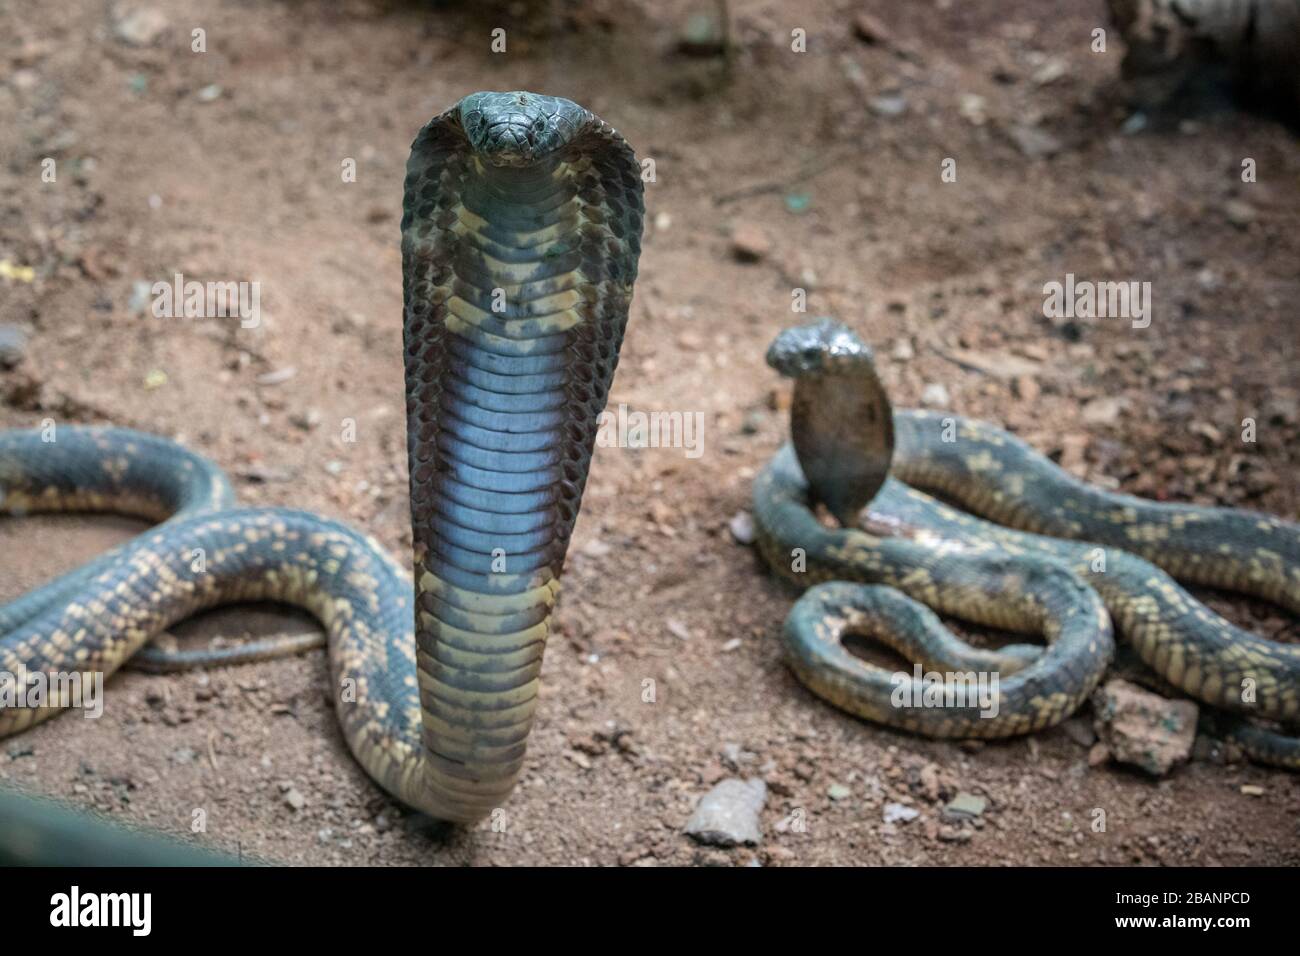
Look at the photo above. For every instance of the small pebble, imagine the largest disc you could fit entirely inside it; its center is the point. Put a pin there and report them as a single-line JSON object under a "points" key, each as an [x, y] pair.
{"points": [[13, 345], [1134, 124], [742, 527], [141, 297], [935, 395], [900, 813], [278, 376], [1240, 214], [677, 629], [1098, 755], [1033, 142], [888, 104], [965, 805], [140, 26], [749, 243]]}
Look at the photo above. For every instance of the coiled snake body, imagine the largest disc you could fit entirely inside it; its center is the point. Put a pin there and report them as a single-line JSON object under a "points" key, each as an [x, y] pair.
{"points": [[520, 238], [1018, 574]]}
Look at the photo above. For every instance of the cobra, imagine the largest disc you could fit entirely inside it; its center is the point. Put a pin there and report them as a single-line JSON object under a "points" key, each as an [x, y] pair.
{"points": [[521, 229], [914, 554]]}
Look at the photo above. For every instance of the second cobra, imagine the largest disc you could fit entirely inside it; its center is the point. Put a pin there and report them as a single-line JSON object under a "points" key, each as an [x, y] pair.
{"points": [[914, 553]]}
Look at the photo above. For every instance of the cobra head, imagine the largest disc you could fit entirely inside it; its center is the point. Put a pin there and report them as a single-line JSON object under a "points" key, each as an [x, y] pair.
{"points": [[841, 422], [519, 128]]}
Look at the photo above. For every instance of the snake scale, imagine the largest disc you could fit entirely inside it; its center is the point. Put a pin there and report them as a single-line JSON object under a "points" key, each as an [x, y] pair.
{"points": [[521, 229], [1058, 557]]}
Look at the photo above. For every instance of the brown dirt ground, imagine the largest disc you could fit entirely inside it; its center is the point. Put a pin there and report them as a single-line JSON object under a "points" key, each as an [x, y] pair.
{"points": [[153, 180]]}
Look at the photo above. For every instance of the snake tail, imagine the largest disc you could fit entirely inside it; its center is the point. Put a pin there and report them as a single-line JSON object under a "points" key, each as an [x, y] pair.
{"points": [[521, 233], [78, 469]]}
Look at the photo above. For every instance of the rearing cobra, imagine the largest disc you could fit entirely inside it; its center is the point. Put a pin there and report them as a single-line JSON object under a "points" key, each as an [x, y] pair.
{"points": [[521, 231], [912, 553]]}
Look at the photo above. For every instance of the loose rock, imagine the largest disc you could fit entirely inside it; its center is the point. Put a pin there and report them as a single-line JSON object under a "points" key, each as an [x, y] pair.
{"points": [[749, 243], [935, 395], [13, 345], [1034, 142], [140, 27], [974, 108], [890, 103], [741, 525], [1102, 411], [595, 548], [1142, 728], [964, 806], [701, 35], [1098, 755], [1052, 70], [277, 376], [900, 813], [141, 297], [1240, 214], [728, 814]]}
